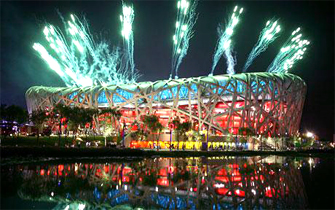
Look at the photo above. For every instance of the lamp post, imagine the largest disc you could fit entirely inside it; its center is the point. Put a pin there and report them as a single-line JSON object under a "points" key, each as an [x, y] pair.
{"points": [[261, 142], [207, 136], [123, 134], [170, 138], [59, 129]]}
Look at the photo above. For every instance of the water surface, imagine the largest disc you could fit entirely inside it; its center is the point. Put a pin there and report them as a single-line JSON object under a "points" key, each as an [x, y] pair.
{"points": [[171, 183]]}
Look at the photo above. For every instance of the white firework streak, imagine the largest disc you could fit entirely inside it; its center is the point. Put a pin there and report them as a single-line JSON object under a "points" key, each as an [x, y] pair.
{"points": [[289, 54], [186, 19], [224, 42], [266, 37], [127, 19], [80, 61]]}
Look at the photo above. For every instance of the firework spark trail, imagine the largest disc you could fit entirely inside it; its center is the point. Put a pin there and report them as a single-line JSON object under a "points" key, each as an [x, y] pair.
{"points": [[224, 42], [64, 54], [186, 19], [52, 62], [266, 37], [289, 54], [127, 19], [82, 62]]}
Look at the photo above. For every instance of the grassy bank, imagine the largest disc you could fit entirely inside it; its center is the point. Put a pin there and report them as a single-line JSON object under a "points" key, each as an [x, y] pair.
{"points": [[31, 141], [27, 149], [25, 153]]}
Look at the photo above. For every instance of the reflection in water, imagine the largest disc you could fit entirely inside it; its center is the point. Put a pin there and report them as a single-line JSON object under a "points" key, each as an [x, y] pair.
{"points": [[175, 183]]}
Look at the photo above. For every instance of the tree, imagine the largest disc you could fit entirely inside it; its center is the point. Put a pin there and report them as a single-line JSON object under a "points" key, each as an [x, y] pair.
{"points": [[13, 114], [184, 127], [87, 115], [139, 134], [114, 115], [38, 117], [243, 140], [246, 132], [176, 125], [3, 113], [153, 124], [111, 119], [181, 128], [60, 111]]}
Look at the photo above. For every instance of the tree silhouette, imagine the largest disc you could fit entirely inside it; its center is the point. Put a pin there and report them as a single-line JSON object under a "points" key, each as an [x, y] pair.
{"points": [[153, 124], [38, 117]]}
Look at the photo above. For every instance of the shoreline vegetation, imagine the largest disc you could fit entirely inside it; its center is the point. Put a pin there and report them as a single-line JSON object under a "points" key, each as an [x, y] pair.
{"points": [[15, 155]]}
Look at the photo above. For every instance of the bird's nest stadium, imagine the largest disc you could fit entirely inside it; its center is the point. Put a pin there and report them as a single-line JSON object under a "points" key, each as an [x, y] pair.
{"points": [[267, 103]]}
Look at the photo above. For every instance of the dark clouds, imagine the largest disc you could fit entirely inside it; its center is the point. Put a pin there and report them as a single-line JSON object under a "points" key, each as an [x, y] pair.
{"points": [[22, 23]]}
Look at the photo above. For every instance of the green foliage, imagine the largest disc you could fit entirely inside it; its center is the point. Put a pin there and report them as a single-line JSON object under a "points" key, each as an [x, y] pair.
{"points": [[243, 140], [119, 139], [307, 142], [229, 138], [150, 179], [13, 113], [112, 111], [246, 131], [47, 141], [152, 123], [139, 134], [181, 128], [176, 123], [76, 116], [38, 117], [62, 110], [182, 175], [184, 127], [114, 116]]}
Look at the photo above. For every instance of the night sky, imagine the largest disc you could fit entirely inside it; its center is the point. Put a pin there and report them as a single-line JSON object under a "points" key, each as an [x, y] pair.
{"points": [[22, 24]]}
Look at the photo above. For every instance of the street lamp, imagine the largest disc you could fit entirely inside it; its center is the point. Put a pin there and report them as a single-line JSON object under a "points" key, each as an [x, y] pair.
{"points": [[171, 128], [309, 134]]}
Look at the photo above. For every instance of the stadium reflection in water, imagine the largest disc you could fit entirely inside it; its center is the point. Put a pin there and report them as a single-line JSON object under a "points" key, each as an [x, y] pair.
{"points": [[174, 183]]}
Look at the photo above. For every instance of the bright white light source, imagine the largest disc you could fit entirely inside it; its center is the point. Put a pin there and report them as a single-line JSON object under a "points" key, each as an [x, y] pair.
{"points": [[81, 206], [309, 134]]}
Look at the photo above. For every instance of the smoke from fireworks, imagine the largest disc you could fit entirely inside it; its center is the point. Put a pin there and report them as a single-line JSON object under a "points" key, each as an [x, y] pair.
{"points": [[289, 54], [127, 19], [224, 42], [266, 37], [79, 61], [186, 18]]}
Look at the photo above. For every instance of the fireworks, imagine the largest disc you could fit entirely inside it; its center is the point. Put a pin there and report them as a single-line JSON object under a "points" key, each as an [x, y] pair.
{"points": [[81, 61], [224, 45], [127, 19], [186, 19], [266, 37], [289, 54], [78, 60]]}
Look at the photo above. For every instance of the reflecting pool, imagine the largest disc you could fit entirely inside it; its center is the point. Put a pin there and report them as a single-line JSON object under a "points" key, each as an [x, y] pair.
{"points": [[163, 183]]}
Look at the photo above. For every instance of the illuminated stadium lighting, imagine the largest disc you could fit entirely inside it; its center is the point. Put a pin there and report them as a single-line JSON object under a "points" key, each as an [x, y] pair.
{"points": [[230, 110]]}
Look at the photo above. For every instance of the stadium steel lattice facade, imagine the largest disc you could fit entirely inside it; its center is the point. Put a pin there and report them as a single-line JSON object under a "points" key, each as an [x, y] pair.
{"points": [[267, 103]]}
